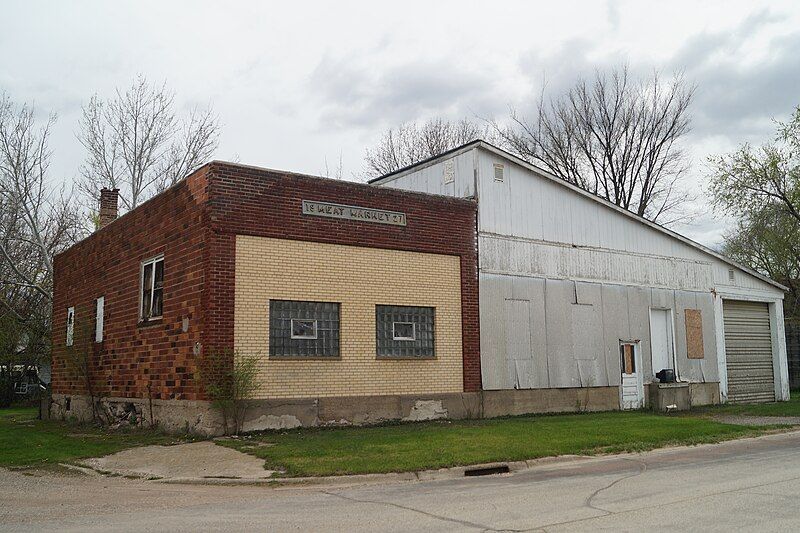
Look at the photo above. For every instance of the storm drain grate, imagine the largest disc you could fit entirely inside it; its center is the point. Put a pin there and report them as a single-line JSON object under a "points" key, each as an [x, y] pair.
{"points": [[487, 471]]}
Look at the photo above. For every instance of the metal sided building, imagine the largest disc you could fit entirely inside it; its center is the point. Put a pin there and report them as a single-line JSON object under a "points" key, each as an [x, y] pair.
{"points": [[578, 293]]}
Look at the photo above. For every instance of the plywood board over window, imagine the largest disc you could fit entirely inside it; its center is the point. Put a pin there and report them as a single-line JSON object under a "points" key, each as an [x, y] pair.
{"points": [[694, 334]]}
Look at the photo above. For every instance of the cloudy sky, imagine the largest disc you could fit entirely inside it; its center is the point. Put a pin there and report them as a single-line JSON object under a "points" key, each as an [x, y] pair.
{"points": [[297, 84]]}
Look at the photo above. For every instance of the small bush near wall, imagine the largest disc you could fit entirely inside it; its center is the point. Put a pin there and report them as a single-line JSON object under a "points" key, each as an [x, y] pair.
{"points": [[229, 379]]}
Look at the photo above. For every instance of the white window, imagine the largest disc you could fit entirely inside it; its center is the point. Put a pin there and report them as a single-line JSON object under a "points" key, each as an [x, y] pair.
{"points": [[98, 321], [152, 289], [304, 329], [70, 325], [403, 331]]}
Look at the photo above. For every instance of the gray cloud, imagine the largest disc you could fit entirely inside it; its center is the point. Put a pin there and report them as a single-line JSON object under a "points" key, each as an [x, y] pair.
{"points": [[355, 95], [736, 97]]}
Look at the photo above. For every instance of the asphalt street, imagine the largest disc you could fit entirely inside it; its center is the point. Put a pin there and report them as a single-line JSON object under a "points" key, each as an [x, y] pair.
{"points": [[752, 484]]}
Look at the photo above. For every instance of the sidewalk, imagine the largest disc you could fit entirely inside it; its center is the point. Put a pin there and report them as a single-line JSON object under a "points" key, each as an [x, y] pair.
{"points": [[198, 461]]}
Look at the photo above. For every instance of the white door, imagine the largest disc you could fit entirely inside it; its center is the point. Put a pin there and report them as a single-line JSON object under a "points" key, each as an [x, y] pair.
{"points": [[661, 339], [631, 385]]}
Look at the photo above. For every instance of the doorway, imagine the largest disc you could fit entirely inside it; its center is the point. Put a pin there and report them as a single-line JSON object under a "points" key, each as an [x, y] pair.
{"points": [[661, 340], [631, 383]]}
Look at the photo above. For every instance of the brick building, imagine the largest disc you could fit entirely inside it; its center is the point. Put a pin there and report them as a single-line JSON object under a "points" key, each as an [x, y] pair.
{"points": [[360, 303]]}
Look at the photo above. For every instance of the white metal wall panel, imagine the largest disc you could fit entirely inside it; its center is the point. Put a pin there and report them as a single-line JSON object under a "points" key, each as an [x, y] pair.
{"points": [[748, 351], [532, 207], [431, 179], [506, 255]]}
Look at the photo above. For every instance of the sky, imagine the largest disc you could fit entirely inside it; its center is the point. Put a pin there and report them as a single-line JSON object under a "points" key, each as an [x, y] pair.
{"points": [[300, 86]]}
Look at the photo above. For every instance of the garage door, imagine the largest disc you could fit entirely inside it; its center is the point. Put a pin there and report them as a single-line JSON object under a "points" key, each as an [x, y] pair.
{"points": [[748, 351]]}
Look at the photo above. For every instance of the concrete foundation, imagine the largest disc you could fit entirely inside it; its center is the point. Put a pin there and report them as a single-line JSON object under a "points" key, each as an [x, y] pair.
{"points": [[665, 397], [200, 417]]}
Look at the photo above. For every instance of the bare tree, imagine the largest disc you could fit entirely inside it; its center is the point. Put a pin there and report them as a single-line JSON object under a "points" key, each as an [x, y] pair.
{"points": [[615, 137], [410, 143], [136, 143], [36, 222]]}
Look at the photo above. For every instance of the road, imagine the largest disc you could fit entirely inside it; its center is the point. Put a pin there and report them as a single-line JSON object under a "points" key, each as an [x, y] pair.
{"points": [[752, 484]]}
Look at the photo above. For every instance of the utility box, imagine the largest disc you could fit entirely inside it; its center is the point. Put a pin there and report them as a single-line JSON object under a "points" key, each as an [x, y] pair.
{"points": [[664, 395]]}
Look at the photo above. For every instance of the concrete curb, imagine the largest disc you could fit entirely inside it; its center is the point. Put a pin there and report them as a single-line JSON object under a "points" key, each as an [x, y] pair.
{"points": [[456, 472]]}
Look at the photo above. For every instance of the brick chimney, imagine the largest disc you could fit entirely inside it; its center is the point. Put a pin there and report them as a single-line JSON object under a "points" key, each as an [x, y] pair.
{"points": [[108, 206]]}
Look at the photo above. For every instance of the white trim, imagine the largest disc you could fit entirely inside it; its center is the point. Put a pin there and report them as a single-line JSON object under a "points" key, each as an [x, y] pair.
{"points": [[722, 359], [780, 366], [301, 337], [413, 336], [98, 321], [671, 318], [639, 373]]}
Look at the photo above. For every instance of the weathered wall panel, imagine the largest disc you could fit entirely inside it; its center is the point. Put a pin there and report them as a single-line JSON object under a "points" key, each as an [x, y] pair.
{"points": [[583, 324], [510, 255]]}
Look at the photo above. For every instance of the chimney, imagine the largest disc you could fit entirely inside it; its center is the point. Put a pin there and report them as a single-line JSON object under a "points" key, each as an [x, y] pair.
{"points": [[108, 206]]}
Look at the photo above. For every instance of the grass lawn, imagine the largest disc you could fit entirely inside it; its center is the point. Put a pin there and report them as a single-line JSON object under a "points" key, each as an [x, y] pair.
{"points": [[419, 446], [26, 441], [790, 408]]}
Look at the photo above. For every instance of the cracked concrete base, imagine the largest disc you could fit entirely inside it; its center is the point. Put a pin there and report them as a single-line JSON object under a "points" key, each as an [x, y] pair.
{"points": [[197, 460]]}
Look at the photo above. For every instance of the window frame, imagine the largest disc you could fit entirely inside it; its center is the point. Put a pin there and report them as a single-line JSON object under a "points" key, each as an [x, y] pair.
{"points": [[99, 318], [151, 261], [313, 337], [422, 346], [413, 336], [70, 334], [325, 345], [634, 346]]}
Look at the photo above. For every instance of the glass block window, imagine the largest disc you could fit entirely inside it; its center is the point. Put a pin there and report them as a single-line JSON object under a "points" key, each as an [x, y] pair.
{"points": [[303, 329], [403, 331]]}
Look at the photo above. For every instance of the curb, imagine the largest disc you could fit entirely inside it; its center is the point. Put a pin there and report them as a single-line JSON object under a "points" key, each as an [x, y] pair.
{"points": [[456, 472]]}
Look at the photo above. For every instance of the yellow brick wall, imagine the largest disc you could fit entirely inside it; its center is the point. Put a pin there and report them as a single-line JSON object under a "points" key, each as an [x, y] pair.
{"points": [[358, 278]]}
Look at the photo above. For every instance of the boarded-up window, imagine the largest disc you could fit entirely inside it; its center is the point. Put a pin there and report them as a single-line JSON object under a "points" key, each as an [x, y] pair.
{"points": [[628, 356], [694, 334]]}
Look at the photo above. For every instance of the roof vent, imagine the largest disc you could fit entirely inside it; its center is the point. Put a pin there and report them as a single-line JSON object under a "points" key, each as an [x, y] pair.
{"points": [[449, 171], [499, 172], [731, 275]]}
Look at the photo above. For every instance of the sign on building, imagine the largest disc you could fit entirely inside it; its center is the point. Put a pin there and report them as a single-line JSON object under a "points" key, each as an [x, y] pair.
{"points": [[351, 212]]}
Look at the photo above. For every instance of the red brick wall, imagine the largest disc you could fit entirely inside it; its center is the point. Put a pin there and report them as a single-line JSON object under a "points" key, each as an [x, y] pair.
{"points": [[133, 356], [265, 203], [194, 225]]}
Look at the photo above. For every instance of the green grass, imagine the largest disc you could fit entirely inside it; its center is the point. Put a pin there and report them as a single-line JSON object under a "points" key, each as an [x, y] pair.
{"points": [[26, 441], [790, 408], [420, 446]]}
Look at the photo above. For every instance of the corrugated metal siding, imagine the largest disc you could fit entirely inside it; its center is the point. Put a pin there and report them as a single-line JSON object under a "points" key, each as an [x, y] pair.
{"points": [[748, 351]]}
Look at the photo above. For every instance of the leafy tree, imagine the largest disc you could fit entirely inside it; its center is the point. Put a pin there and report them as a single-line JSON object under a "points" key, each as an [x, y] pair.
{"points": [[760, 188], [768, 241]]}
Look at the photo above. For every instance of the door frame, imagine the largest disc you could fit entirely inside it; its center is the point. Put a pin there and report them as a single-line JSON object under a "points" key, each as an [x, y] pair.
{"points": [[673, 358], [637, 356]]}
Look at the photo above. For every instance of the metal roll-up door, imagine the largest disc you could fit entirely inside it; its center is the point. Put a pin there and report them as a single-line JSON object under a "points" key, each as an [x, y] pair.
{"points": [[748, 351]]}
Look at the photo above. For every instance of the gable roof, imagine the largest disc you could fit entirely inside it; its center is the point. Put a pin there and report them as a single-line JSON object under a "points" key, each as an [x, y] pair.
{"points": [[480, 143]]}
